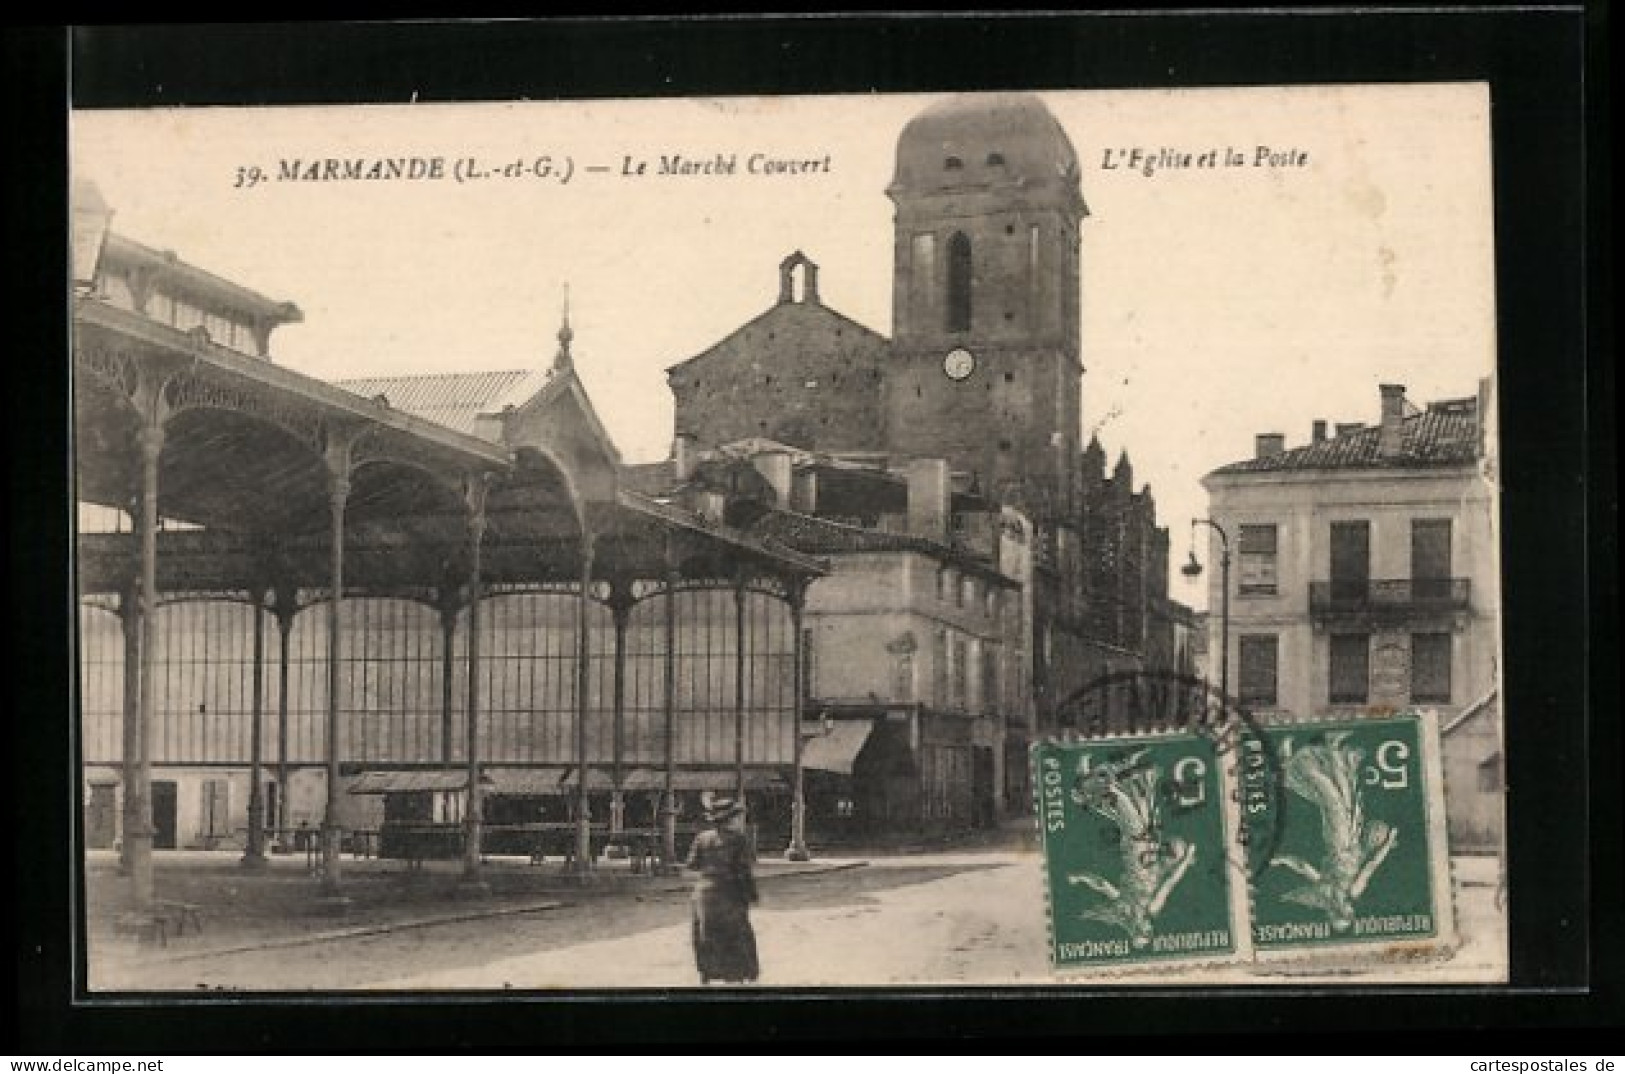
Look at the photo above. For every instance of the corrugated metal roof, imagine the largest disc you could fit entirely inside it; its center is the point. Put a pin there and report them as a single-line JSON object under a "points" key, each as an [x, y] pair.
{"points": [[416, 780], [723, 779], [525, 780], [601, 779], [455, 400], [1445, 434]]}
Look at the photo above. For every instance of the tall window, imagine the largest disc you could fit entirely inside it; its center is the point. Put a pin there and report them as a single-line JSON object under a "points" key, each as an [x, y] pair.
{"points": [[961, 674], [939, 666], [959, 283], [1350, 674], [1258, 669], [1430, 667], [1351, 560], [1430, 558], [1257, 559], [924, 272]]}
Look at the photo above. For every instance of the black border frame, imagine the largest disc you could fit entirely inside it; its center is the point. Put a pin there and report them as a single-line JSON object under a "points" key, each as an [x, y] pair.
{"points": [[1556, 381]]}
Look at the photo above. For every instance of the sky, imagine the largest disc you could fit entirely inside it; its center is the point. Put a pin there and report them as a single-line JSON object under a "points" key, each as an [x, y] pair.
{"points": [[1217, 301]]}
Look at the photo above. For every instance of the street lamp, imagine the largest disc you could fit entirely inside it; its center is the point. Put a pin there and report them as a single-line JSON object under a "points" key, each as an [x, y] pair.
{"points": [[797, 850], [1193, 569]]}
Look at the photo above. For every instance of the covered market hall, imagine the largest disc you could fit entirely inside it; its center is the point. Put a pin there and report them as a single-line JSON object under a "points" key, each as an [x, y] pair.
{"points": [[325, 617]]}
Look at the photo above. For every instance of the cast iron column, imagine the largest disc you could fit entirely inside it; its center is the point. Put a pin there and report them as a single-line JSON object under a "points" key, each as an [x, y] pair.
{"points": [[254, 856], [739, 691], [583, 855], [448, 656], [130, 620], [797, 850], [620, 607], [474, 495], [668, 798], [286, 608], [139, 836], [338, 493]]}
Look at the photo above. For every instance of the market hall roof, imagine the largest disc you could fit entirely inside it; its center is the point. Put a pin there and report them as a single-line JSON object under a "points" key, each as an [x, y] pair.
{"points": [[244, 438], [246, 447], [468, 402]]}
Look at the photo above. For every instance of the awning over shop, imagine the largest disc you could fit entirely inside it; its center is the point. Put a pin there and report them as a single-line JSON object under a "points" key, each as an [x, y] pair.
{"points": [[561, 780], [720, 779], [526, 781], [399, 782], [838, 750], [603, 779]]}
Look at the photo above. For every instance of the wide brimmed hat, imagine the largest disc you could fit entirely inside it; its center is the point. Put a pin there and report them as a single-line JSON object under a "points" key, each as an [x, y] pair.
{"points": [[720, 807]]}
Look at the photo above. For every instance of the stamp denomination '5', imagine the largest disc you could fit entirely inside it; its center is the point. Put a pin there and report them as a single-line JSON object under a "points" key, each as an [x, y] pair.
{"points": [[1135, 841]]}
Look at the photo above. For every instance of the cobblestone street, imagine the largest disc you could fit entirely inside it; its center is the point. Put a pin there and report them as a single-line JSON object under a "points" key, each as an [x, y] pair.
{"points": [[947, 918]]}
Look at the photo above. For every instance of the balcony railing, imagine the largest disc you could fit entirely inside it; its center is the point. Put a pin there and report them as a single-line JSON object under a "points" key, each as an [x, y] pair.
{"points": [[1394, 596]]}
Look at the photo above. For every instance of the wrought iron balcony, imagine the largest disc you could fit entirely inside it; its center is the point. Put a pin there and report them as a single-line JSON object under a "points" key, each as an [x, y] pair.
{"points": [[1397, 597]]}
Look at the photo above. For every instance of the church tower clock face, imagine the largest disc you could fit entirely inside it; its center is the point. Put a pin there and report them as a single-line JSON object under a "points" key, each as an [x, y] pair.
{"points": [[959, 363]]}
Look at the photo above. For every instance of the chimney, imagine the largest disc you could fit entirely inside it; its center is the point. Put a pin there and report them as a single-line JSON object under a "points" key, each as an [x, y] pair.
{"points": [[804, 491], [1346, 427], [928, 498], [711, 505], [775, 466], [684, 454], [1391, 441], [1317, 434], [1269, 444]]}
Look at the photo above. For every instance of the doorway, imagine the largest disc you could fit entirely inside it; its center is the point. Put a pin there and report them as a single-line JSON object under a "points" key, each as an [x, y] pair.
{"points": [[101, 817], [164, 820]]}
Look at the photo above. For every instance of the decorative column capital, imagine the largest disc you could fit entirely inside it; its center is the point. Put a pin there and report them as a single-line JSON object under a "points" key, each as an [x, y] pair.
{"points": [[476, 488], [337, 455], [150, 439]]}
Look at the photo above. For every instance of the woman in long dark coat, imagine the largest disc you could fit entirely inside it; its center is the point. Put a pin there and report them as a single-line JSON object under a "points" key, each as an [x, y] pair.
{"points": [[724, 942]]}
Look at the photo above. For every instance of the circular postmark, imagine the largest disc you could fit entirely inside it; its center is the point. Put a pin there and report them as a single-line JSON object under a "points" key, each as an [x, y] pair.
{"points": [[1122, 709]]}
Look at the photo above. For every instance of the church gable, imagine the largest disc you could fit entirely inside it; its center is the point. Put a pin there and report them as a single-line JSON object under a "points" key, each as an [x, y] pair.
{"points": [[800, 373]]}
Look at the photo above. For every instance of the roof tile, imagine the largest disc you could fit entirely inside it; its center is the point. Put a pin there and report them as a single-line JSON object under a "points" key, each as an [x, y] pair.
{"points": [[1445, 434]]}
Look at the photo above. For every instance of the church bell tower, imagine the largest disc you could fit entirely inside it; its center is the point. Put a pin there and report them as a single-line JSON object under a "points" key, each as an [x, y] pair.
{"points": [[985, 369]]}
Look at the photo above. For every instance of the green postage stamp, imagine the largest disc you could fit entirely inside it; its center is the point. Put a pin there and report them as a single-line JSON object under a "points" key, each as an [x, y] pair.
{"points": [[1359, 853], [1136, 847]]}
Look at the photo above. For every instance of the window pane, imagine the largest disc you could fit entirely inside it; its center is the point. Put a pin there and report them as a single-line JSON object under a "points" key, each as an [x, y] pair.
{"points": [[1258, 664], [1257, 559], [1430, 667], [1350, 667]]}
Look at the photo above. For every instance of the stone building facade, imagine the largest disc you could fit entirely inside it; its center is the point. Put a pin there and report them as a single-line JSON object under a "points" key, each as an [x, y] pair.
{"points": [[1365, 580]]}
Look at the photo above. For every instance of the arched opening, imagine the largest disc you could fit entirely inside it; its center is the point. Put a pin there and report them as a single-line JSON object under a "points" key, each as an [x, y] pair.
{"points": [[959, 283]]}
